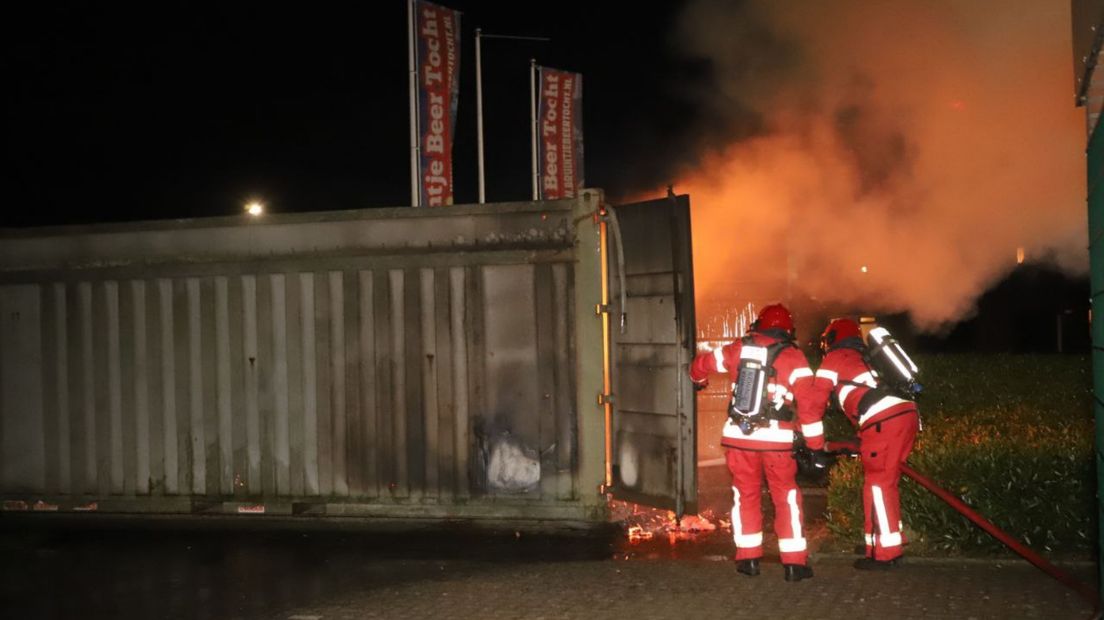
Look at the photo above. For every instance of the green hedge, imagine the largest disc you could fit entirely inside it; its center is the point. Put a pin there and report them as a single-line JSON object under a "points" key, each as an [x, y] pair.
{"points": [[1010, 435]]}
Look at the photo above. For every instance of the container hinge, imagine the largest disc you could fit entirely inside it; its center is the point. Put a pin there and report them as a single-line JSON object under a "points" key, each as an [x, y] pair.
{"points": [[601, 309], [604, 399]]}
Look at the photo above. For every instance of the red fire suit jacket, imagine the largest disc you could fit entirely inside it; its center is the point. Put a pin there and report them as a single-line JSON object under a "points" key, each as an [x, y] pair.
{"points": [[792, 384], [845, 375]]}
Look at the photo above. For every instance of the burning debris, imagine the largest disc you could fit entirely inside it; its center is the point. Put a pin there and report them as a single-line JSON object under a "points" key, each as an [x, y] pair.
{"points": [[645, 523], [722, 327]]}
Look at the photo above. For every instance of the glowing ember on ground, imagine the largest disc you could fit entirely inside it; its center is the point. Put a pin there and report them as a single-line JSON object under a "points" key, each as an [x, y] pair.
{"points": [[646, 523], [696, 523]]}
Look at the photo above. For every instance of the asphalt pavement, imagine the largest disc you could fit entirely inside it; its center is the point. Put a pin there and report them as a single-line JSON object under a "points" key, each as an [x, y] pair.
{"points": [[310, 570]]}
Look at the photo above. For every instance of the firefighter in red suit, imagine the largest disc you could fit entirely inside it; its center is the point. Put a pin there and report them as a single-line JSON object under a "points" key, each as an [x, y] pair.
{"points": [[887, 428], [768, 449]]}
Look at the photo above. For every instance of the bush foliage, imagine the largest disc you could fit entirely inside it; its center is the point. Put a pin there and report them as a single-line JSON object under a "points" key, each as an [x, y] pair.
{"points": [[1012, 435]]}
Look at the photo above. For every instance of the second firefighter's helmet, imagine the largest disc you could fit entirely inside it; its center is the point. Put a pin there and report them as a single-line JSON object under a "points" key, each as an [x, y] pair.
{"points": [[837, 331]]}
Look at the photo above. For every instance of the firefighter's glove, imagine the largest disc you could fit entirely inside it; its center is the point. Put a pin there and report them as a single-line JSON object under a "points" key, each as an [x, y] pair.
{"points": [[819, 460], [804, 458]]}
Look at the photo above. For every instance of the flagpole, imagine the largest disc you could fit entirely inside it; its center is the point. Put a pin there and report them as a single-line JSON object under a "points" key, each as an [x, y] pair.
{"points": [[414, 151], [479, 110], [533, 124], [479, 36]]}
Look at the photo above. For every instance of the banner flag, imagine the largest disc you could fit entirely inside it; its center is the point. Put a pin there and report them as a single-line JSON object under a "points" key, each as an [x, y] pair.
{"points": [[438, 68], [560, 133]]}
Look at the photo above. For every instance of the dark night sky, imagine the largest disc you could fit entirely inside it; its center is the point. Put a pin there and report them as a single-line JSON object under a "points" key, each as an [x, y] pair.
{"points": [[124, 111]]}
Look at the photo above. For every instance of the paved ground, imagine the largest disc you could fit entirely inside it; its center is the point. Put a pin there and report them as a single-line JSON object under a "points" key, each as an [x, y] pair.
{"points": [[319, 570], [289, 574], [688, 589]]}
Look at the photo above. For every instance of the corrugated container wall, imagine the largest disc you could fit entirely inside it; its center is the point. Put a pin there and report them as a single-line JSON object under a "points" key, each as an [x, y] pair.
{"points": [[392, 362]]}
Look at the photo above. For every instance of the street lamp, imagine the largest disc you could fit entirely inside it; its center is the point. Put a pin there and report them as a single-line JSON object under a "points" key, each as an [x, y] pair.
{"points": [[479, 96], [254, 208]]}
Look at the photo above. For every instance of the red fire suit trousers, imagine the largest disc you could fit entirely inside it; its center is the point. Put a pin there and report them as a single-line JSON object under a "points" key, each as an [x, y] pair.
{"points": [[748, 468], [885, 447]]}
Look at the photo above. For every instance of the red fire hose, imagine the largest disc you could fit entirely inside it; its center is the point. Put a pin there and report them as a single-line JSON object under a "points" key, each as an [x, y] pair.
{"points": [[1040, 562]]}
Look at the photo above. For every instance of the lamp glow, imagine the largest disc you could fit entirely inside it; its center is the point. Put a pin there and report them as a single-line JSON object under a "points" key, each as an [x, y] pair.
{"points": [[254, 209]]}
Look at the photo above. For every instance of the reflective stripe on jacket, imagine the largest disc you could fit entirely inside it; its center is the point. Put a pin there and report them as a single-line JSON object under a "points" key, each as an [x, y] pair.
{"points": [[844, 375], [791, 385]]}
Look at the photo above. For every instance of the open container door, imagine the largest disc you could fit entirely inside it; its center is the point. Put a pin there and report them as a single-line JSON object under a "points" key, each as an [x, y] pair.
{"points": [[654, 420]]}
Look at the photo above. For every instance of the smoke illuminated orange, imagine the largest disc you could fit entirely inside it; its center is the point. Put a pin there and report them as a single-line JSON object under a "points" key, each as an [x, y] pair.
{"points": [[923, 150]]}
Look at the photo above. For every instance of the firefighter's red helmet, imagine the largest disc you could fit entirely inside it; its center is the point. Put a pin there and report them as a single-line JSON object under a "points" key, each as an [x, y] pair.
{"points": [[838, 330], [774, 316]]}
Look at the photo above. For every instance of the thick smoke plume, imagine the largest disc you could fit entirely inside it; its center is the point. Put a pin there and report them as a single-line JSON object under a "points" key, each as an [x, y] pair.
{"points": [[901, 150]]}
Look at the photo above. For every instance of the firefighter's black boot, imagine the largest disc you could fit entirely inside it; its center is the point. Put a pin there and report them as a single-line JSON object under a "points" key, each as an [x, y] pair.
{"points": [[748, 567], [872, 564], [797, 572]]}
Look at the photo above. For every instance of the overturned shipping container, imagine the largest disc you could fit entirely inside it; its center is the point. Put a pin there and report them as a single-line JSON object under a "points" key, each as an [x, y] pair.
{"points": [[407, 363]]}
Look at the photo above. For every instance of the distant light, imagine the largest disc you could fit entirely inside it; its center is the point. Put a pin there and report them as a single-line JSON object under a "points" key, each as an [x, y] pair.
{"points": [[254, 209], [1019, 255], [863, 269]]}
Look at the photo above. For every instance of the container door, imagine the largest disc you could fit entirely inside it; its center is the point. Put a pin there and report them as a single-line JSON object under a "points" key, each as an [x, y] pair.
{"points": [[653, 430]]}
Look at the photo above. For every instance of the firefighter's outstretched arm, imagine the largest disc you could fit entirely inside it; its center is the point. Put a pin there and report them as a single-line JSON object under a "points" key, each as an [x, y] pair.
{"points": [[709, 363]]}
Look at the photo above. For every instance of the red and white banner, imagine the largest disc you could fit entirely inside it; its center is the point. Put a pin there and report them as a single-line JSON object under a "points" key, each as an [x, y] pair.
{"points": [[438, 68], [560, 133]]}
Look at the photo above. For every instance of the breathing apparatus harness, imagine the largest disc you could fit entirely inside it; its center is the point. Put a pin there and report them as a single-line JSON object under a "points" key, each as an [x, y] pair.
{"points": [[890, 367], [751, 406]]}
